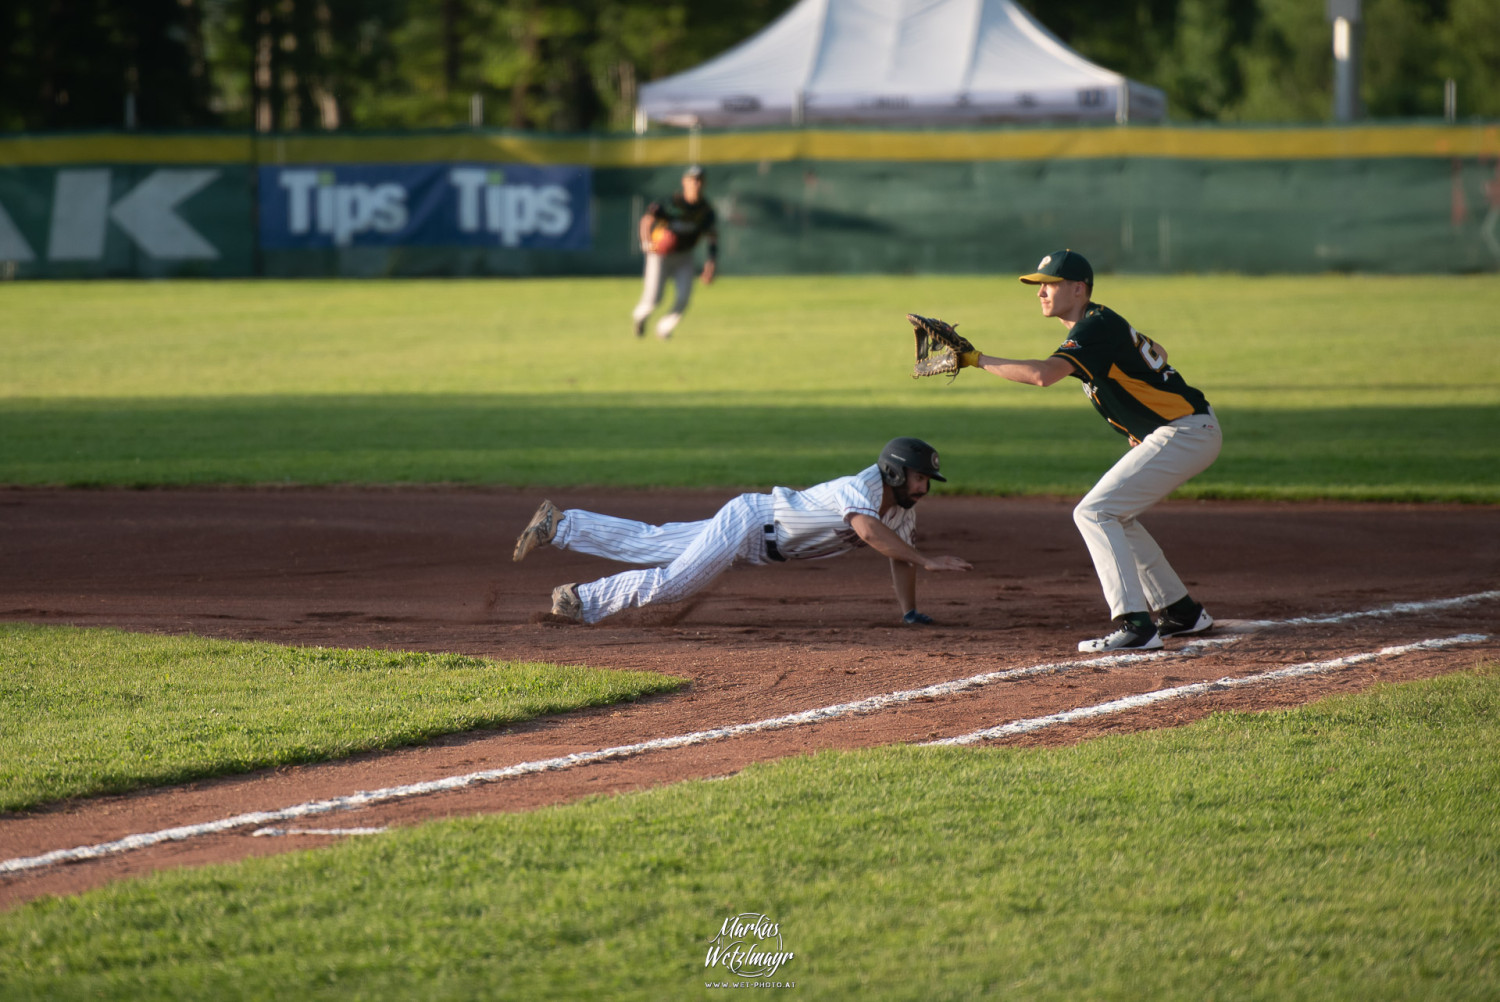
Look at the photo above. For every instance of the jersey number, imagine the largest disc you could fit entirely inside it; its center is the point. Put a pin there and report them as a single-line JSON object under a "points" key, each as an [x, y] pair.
{"points": [[1148, 350]]}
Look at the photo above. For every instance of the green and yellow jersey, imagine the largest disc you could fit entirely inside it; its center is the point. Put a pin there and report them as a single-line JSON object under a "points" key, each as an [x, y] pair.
{"points": [[688, 220], [1126, 375]]}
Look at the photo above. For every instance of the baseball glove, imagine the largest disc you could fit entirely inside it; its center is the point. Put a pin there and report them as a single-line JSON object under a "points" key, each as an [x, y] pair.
{"points": [[940, 348]]}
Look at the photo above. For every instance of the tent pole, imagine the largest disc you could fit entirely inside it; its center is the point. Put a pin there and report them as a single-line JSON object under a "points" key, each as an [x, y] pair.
{"points": [[1345, 15]]}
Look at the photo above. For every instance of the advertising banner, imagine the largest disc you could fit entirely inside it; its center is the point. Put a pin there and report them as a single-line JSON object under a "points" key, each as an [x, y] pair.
{"points": [[125, 220], [434, 205]]}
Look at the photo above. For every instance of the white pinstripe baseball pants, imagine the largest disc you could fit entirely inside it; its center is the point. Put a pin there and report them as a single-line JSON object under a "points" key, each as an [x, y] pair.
{"points": [[681, 557], [1132, 570]]}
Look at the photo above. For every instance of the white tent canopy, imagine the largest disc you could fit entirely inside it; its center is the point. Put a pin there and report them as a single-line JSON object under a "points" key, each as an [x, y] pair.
{"points": [[907, 61]]}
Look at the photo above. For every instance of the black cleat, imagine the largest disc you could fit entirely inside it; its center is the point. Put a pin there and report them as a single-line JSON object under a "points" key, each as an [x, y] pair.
{"points": [[1182, 618]]}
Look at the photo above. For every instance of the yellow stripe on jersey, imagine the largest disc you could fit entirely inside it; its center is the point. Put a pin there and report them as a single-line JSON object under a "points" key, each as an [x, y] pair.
{"points": [[1124, 431], [1080, 365], [1170, 406]]}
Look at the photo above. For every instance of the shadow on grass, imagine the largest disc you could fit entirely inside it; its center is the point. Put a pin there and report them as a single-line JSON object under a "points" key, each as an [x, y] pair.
{"points": [[1418, 453]]}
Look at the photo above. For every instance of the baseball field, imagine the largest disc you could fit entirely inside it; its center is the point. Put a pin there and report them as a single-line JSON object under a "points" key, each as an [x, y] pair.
{"points": [[280, 717]]}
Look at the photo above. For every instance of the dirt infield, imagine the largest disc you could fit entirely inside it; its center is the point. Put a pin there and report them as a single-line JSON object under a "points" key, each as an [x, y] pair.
{"points": [[430, 569]]}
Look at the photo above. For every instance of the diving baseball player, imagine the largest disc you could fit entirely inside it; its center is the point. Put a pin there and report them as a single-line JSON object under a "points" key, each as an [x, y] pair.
{"points": [[669, 231], [1173, 435], [872, 507]]}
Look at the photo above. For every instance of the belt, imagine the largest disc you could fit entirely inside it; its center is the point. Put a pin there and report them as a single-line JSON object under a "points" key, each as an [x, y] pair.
{"points": [[771, 551]]}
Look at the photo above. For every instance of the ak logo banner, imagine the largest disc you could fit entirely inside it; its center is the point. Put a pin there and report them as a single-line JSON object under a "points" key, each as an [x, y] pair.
{"points": [[443, 205]]}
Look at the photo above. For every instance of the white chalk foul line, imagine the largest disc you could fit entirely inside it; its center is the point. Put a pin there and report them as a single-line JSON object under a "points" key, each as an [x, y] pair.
{"points": [[869, 705], [1198, 689], [365, 798], [265, 832], [1396, 609]]}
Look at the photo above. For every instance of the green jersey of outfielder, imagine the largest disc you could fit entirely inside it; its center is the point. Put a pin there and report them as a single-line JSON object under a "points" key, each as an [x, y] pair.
{"points": [[1173, 432]]}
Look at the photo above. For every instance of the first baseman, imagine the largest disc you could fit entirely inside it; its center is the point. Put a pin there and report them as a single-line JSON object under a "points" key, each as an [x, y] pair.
{"points": [[1173, 434], [669, 230], [872, 507]]}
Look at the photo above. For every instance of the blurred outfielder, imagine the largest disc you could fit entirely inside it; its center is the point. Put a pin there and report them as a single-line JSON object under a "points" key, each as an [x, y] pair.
{"points": [[669, 232]]}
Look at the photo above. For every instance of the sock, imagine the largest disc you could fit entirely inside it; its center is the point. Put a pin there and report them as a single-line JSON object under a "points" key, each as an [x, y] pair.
{"points": [[1183, 608]]}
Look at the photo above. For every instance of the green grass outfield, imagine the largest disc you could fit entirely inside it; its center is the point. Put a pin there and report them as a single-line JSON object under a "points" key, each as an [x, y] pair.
{"points": [[103, 711], [1335, 386], [1344, 850]]}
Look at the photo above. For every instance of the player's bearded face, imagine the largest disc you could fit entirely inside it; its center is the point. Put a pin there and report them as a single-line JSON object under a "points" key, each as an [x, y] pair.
{"points": [[913, 490]]}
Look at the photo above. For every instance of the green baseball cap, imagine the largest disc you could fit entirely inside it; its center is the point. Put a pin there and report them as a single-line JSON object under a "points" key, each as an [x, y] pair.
{"points": [[1061, 266]]}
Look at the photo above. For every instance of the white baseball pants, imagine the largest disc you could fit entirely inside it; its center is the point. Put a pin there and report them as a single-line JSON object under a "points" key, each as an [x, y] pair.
{"points": [[679, 265], [1132, 570], [682, 557]]}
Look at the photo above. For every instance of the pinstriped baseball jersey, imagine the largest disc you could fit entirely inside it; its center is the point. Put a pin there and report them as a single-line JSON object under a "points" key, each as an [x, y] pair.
{"points": [[815, 523], [1125, 376]]}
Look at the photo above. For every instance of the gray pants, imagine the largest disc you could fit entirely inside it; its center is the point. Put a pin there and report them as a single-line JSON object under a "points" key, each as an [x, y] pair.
{"points": [[1132, 570], [679, 265]]}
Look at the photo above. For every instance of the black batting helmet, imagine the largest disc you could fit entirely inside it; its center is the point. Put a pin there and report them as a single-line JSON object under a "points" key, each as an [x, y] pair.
{"points": [[902, 454]]}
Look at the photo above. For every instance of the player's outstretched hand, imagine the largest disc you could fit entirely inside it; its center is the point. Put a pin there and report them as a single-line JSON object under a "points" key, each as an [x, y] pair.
{"points": [[948, 563], [915, 618]]}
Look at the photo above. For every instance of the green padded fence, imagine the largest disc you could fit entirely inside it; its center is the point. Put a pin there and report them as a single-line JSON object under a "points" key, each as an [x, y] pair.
{"points": [[1407, 198]]}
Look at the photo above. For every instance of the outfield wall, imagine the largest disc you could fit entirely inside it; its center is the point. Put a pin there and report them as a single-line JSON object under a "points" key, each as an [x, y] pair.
{"points": [[1404, 198]]}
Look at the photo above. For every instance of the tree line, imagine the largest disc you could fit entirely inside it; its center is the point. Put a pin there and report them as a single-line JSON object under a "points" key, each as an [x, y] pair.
{"points": [[273, 65]]}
